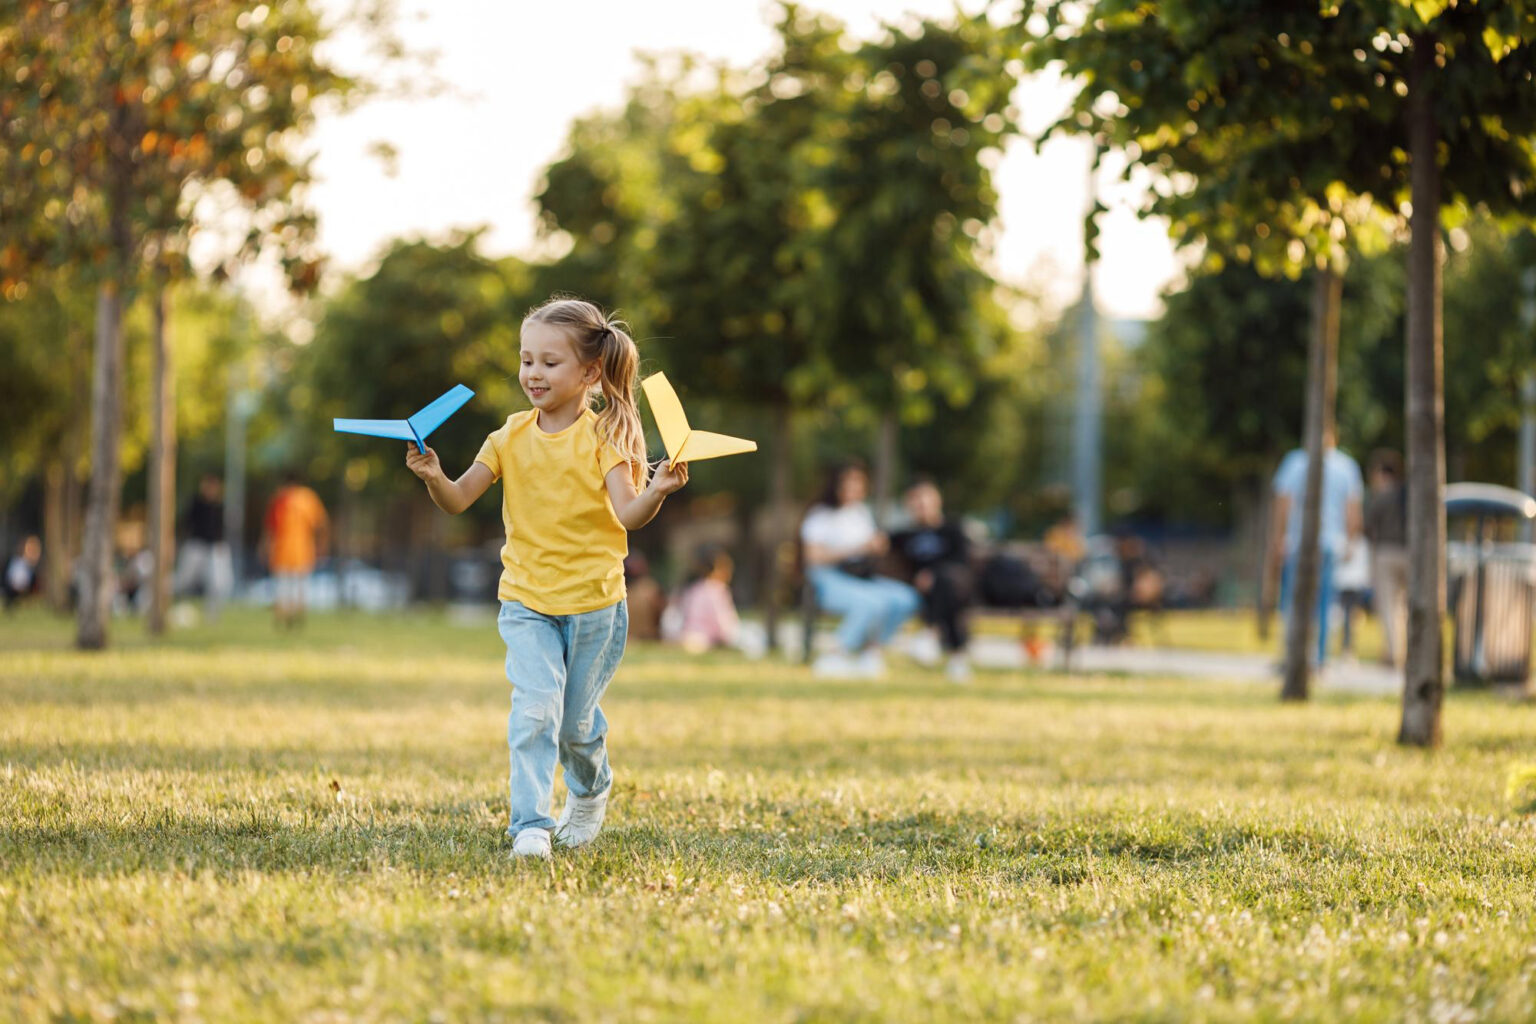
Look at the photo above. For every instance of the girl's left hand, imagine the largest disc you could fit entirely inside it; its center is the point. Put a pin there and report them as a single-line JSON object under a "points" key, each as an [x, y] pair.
{"points": [[668, 479]]}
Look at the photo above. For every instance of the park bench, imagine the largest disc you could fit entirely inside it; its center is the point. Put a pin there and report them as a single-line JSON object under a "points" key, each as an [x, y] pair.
{"points": [[1059, 615]]}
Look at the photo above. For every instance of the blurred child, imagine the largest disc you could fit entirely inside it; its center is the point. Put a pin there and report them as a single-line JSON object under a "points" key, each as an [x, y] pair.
{"points": [[706, 612], [646, 600], [574, 482], [20, 578]]}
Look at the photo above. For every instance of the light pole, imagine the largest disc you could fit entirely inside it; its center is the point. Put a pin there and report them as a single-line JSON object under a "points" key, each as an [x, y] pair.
{"points": [[1087, 423], [242, 402]]}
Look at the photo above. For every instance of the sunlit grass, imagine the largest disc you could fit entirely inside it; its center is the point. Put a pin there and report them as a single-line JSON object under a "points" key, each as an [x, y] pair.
{"points": [[241, 824]]}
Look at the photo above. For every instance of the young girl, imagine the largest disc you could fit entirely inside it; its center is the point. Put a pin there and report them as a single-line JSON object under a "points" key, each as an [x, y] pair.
{"points": [[574, 482]]}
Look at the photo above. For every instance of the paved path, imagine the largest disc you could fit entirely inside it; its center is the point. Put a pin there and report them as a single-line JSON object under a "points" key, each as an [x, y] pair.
{"points": [[1003, 652], [1351, 677]]}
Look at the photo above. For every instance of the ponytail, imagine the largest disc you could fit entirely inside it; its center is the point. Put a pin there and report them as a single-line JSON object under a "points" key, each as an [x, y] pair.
{"points": [[597, 339], [619, 421]]}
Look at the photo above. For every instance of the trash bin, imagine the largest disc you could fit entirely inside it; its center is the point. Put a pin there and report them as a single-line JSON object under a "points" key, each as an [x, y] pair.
{"points": [[1491, 582]]}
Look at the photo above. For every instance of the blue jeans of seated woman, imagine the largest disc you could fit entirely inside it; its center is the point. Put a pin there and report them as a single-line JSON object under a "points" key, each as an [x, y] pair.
{"points": [[559, 666], [872, 609]]}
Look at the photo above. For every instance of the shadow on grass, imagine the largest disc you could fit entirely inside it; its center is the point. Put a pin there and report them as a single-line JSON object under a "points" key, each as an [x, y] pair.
{"points": [[963, 847], [958, 756]]}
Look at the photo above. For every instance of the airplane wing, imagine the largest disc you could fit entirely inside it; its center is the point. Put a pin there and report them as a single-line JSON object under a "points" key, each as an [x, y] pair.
{"points": [[400, 430], [432, 416], [670, 419], [685, 444], [701, 444]]}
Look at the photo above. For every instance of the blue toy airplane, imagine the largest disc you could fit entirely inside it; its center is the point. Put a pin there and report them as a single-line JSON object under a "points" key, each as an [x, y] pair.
{"points": [[418, 426]]}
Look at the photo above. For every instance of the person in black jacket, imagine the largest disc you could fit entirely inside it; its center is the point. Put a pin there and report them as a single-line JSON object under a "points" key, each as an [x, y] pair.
{"points": [[937, 554], [205, 561]]}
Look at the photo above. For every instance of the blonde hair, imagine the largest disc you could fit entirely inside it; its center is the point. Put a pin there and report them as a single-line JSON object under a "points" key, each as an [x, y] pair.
{"points": [[606, 342]]}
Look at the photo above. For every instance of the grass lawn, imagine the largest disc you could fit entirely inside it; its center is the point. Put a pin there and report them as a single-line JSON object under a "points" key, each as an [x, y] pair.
{"points": [[239, 825]]}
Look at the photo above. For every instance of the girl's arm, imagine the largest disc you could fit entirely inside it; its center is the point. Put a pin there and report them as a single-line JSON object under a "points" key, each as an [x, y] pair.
{"points": [[452, 496], [635, 510]]}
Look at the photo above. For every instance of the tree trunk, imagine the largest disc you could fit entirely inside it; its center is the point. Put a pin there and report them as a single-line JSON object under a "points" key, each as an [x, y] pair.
{"points": [[884, 483], [778, 502], [56, 558], [97, 580], [76, 437], [162, 470], [1424, 669], [61, 499], [1322, 372]]}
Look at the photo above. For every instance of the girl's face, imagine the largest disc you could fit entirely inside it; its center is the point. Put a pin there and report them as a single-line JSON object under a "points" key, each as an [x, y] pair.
{"points": [[852, 487], [551, 374]]}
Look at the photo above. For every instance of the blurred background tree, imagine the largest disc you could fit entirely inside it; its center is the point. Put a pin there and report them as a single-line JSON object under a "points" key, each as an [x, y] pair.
{"points": [[1278, 118], [131, 122]]}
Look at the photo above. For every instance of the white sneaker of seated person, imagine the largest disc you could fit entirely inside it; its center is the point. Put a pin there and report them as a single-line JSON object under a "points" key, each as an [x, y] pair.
{"points": [[835, 665], [958, 668], [871, 663], [924, 648], [581, 820], [531, 842]]}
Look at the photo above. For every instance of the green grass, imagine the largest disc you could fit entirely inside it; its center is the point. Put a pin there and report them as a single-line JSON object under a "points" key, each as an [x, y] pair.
{"points": [[243, 825]]}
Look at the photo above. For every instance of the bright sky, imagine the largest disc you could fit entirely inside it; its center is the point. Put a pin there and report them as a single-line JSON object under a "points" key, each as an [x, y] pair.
{"points": [[524, 70]]}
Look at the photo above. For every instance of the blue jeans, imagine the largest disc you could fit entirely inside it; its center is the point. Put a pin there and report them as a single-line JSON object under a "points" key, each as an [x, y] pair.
{"points": [[1324, 595], [559, 666], [872, 609]]}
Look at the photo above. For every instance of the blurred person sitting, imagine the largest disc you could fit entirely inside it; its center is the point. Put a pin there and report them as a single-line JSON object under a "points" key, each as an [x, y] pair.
{"points": [[21, 575], [647, 601], [1064, 543], [936, 554], [706, 612], [203, 562], [841, 547], [1064, 540], [1119, 578]]}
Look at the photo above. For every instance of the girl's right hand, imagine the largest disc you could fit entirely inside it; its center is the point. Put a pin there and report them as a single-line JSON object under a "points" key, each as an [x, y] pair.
{"points": [[423, 464]]}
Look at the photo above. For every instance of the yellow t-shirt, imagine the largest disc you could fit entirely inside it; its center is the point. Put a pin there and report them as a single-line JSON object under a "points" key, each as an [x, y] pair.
{"points": [[565, 545]]}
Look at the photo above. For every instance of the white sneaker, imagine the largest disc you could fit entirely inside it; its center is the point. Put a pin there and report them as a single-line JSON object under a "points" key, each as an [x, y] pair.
{"points": [[581, 820], [871, 664], [531, 842], [959, 669], [924, 648], [835, 665]]}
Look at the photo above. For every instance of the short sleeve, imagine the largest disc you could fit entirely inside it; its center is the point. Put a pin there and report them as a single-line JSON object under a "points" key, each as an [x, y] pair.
{"points": [[1285, 476], [490, 451], [609, 456], [813, 529]]}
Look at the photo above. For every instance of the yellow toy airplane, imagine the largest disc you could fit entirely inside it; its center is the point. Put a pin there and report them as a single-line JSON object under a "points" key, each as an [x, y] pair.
{"points": [[684, 444]]}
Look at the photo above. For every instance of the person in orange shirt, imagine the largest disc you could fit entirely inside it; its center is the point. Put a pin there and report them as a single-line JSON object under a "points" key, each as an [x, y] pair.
{"points": [[296, 531]]}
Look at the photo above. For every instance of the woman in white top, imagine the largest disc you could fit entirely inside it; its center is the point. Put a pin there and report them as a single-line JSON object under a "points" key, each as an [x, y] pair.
{"points": [[841, 545]]}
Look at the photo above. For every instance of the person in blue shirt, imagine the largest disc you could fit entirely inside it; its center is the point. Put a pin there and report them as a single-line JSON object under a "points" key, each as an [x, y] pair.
{"points": [[1340, 525]]}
